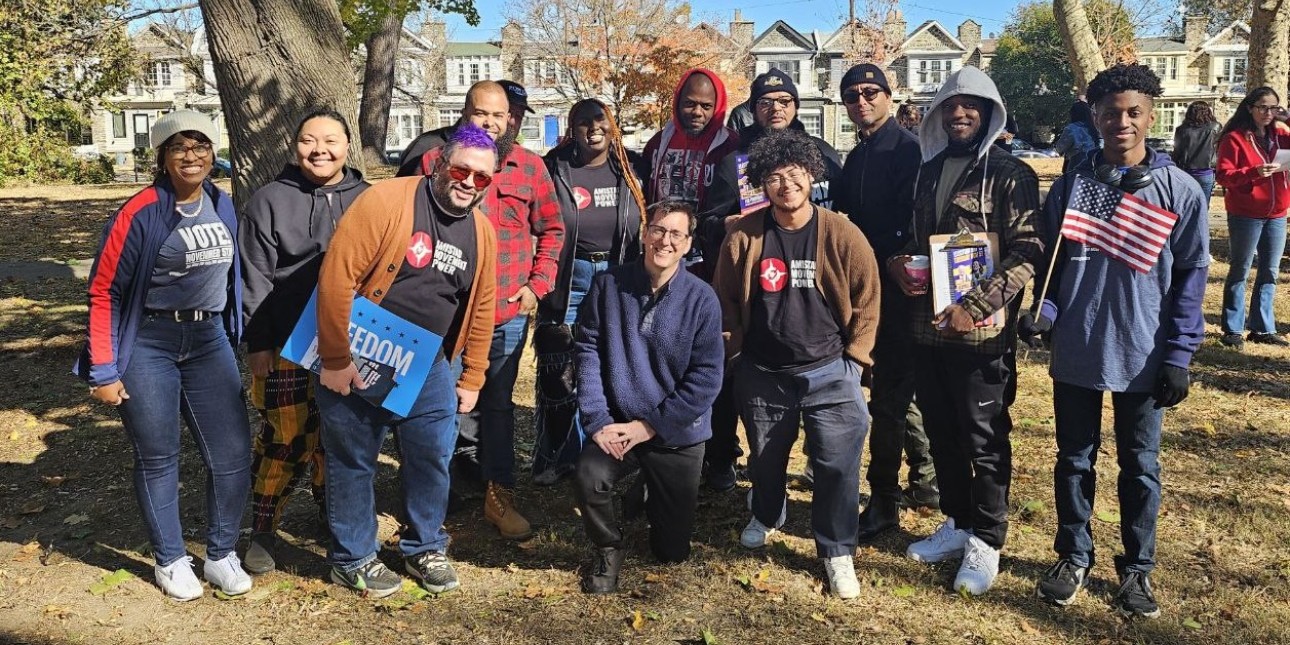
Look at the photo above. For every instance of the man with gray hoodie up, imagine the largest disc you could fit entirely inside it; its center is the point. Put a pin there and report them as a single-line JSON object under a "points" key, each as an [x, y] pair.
{"points": [[966, 374]]}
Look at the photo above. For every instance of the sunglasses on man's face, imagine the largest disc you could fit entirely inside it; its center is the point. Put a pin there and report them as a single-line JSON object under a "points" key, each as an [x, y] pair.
{"points": [[851, 97], [480, 180]]}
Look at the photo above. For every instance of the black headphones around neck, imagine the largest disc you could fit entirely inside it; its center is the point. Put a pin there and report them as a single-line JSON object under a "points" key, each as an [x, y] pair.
{"points": [[1130, 180]]}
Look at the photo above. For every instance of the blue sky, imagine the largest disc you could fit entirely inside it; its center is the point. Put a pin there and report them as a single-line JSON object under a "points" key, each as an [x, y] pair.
{"points": [[804, 16]]}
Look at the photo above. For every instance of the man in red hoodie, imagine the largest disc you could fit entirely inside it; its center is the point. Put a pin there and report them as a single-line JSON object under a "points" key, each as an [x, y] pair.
{"points": [[682, 158]]}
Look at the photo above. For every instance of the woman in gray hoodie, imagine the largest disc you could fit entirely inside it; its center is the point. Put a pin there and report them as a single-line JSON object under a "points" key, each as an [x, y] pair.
{"points": [[284, 232]]}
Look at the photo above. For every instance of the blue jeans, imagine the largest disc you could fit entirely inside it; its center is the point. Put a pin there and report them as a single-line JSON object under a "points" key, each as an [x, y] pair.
{"points": [[352, 432], [187, 368], [487, 433], [1206, 182], [559, 433], [827, 403], [1268, 238], [1078, 415]]}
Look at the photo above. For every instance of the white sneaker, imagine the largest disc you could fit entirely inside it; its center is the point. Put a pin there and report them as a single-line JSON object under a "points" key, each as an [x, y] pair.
{"points": [[979, 568], [227, 575], [755, 534], [946, 542], [259, 559], [842, 576], [177, 579]]}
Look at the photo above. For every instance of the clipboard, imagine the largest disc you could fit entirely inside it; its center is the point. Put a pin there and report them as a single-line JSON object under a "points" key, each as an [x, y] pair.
{"points": [[958, 263]]}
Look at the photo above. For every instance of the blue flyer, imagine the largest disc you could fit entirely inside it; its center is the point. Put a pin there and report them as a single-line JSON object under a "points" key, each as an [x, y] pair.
{"points": [[393, 356]]}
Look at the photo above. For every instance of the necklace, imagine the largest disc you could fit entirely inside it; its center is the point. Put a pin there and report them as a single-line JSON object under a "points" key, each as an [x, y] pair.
{"points": [[201, 200]]}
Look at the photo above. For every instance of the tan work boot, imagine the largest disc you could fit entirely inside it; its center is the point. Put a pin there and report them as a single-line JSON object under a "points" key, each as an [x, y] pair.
{"points": [[499, 510]]}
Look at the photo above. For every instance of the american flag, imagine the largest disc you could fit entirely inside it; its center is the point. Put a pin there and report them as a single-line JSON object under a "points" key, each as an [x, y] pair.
{"points": [[1124, 227]]}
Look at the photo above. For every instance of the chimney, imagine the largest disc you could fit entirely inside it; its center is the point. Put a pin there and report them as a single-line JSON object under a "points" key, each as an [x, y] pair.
{"points": [[741, 31], [435, 32], [512, 50], [894, 28], [970, 34], [1194, 31]]}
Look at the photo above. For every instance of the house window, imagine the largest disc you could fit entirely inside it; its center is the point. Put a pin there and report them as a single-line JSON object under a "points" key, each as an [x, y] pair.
{"points": [[1232, 70], [474, 73], [410, 75], [790, 67], [448, 117], [118, 125], [1168, 116], [531, 129], [159, 74], [409, 126], [814, 126]]}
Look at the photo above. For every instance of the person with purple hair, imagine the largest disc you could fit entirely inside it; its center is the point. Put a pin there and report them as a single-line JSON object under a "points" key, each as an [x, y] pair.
{"points": [[420, 248]]}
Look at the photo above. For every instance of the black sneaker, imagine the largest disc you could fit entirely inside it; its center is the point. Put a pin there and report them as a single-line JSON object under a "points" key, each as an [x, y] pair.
{"points": [[920, 497], [880, 516], [722, 478], [372, 579], [602, 577], [1233, 340], [1135, 599], [433, 570], [1061, 583], [1268, 339]]}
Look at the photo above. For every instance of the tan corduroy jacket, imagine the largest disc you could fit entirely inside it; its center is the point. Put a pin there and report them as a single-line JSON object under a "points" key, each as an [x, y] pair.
{"points": [[846, 271], [365, 255]]}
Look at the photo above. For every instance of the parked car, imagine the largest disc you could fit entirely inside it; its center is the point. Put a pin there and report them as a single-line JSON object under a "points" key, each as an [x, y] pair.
{"points": [[392, 157], [1021, 145], [1032, 154], [221, 167], [1163, 145]]}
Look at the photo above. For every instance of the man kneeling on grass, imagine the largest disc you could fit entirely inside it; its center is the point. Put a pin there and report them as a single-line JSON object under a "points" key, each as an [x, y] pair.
{"points": [[649, 356]]}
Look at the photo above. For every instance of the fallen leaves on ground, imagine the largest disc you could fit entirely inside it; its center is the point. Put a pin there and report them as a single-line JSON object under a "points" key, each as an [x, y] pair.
{"points": [[111, 581]]}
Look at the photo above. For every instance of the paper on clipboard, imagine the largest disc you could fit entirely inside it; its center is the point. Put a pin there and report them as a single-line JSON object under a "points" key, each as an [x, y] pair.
{"points": [[956, 269], [1282, 160]]}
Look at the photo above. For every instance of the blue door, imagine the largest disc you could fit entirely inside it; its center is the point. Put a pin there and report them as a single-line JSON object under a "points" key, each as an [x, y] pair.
{"points": [[550, 130]]}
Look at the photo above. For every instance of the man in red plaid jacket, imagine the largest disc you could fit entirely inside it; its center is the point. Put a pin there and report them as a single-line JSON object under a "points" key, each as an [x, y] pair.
{"points": [[523, 209]]}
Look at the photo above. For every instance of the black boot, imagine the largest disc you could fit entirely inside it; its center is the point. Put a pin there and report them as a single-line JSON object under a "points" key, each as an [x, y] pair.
{"points": [[880, 515], [602, 577]]}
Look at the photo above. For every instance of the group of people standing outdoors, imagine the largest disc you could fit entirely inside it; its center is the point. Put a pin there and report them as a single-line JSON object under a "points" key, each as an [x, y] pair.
{"points": [[721, 276]]}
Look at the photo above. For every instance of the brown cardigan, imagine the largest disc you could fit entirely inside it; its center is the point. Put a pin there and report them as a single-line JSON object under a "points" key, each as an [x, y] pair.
{"points": [[847, 276], [365, 255]]}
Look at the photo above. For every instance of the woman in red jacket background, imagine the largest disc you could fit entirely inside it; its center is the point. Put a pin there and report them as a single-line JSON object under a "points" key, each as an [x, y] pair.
{"points": [[1257, 198]]}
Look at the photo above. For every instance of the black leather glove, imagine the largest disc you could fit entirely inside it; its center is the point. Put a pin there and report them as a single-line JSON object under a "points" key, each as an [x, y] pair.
{"points": [[1171, 386], [1033, 329]]}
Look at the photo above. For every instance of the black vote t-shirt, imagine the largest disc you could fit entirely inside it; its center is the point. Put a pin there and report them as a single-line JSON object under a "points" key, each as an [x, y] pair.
{"points": [[595, 191], [433, 285], [792, 328]]}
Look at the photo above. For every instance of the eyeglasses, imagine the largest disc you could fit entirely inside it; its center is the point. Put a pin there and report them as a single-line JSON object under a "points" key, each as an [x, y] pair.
{"points": [[179, 150], [656, 233], [851, 97], [1267, 109], [478, 179], [774, 181], [769, 103]]}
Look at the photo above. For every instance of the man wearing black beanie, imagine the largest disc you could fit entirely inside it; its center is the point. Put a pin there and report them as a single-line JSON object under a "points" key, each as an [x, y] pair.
{"points": [[877, 194]]}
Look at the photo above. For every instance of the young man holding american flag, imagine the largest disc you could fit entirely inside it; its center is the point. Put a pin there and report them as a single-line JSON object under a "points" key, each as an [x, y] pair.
{"points": [[1129, 235]]}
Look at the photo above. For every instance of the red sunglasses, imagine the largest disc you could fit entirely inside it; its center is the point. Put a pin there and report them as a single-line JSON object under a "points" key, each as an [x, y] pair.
{"points": [[480, 181]]}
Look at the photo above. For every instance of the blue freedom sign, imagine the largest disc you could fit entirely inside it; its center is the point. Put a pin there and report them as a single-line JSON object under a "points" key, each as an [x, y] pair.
{"points": [[393, 356]]}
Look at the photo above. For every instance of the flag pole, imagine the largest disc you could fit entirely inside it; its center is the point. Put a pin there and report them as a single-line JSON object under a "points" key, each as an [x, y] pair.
{"points": [[1048, 277]]}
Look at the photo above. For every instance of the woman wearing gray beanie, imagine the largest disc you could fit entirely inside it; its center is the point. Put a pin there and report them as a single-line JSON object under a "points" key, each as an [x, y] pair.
{"points": [[164, 316]]}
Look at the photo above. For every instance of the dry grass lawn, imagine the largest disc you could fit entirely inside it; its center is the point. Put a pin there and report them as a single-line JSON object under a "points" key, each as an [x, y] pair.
{"points": [[68, 519]]}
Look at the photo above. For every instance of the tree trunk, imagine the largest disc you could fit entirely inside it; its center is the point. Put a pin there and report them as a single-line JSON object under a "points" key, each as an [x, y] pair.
{"points": [[378, 87], [276, 60], [1080, 43], [1269, 62]]}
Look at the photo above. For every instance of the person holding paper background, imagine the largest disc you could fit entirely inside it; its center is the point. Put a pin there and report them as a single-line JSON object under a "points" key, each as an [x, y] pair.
{"points": [[1257, 197], [285, 231], [966, 375], [420, 248]]}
